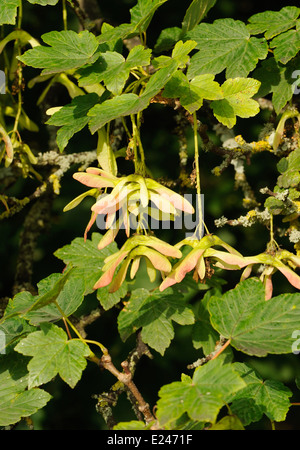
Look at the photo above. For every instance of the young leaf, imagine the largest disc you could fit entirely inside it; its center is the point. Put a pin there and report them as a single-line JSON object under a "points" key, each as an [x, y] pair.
{"points": [[259, 397], [195, 13], [236, 101], [52, 353], [127, 104], [154, 313], [202, 396], [273, 22], [67, 50], [254, 325], [191, 93], [225, 44], [69, 299], [15, 401], [167, 39], [24, 303], [72, 118], [114, 69], [8, 11]]}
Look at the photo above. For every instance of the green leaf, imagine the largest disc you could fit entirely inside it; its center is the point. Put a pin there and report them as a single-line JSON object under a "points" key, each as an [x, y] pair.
{"points": [[201, 397], [88, 261], [286, 45], [114, 69], [44, 2], [8, 11], [273, 22], [154, 313], [259, 397], [191, 93], [253, 325], [53, 354], [236, 101], [276, 78], [15, 401], [67, 50], [195, 13], [225, 44], [72, 118], [141, 15]]}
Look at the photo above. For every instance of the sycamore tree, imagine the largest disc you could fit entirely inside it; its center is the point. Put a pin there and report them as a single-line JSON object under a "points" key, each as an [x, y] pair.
{"points": [[152, 279]]}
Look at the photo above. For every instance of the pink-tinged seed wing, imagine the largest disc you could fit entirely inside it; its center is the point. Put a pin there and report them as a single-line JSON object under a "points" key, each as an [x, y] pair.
{"points": [[103, 173], [109, 270], [135, 266], [268, 287], [162, 247], [168, 281], [89, 225], [177, 200], [187, 264], [120, 277], [290, 275], [94, 181]]}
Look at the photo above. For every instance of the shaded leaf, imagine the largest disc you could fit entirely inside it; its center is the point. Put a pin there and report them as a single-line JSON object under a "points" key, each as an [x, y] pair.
{"points": [[72, 118], [254, 325], [276, 78], [269, 397], [154, 313]]}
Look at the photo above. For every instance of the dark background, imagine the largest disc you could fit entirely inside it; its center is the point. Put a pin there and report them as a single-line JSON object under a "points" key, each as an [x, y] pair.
{"points": [[75, 409]]}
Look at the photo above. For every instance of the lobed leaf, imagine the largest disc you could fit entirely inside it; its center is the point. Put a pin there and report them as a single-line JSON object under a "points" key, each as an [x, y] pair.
{"points": [[254, 325]]}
